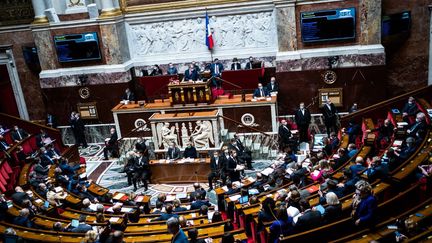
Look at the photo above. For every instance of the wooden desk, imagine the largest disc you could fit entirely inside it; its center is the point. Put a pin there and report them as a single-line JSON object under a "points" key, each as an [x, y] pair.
{"points": [[190, 92], [174, 172]]}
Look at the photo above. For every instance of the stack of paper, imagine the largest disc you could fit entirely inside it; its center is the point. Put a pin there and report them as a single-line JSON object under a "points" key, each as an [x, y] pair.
{"points": [[118, 196], [234, 198], [267, 171], [114, 219]]}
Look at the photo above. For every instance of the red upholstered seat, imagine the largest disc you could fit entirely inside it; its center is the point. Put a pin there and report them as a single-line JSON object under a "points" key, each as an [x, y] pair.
{"points": [[27, 148], [32, 142]]}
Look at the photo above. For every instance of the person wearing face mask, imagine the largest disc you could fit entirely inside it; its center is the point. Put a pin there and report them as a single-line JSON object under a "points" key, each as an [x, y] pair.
{"points": [[190, 151], [303, 119], [249, 65], [173, 152], [191, 74], [235, 65], [18, 134], [260, 92], [410, 109], [420, 124], [273, 86], [171, 69], [217, 167], [128, 95], [156, 70], [111, 144]]}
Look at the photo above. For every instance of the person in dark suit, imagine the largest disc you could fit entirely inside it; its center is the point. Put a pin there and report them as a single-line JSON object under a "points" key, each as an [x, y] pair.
{"points": [[216, 69], [128, 95], [385, 132], [231, 166], [190, 151], [410, 109], [173, 152], [353, 108], [235, 65], [19, 196], [273, 86], [156, 70], [173, 225], [199, 201], [111, 144], [18, 134], [420, 124], [364, 205], [333, 210], [198, 191], [79, 128], [330, 116], [23, 219], [82, 227], [309, 219], [142, 171], [140, 146], [260, 92], [357, 168], [51, 121], [191, 74], [217, 167], [4, 145], [167, 214], [40, 138], [171, 69], [178, 207], [303, 119], [285, 135], [250, 64], [407, 150], [353, 130], [52, 152]]}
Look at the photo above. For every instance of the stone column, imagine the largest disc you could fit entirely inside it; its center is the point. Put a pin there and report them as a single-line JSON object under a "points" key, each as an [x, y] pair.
{"points": [[370, 22], [430, 47], [39, 10], [286, 25], [109, 9]]}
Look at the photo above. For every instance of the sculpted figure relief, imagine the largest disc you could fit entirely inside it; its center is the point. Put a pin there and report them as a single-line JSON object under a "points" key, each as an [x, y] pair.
{"points": [[202, 134], [188, 35], [166, 135]]}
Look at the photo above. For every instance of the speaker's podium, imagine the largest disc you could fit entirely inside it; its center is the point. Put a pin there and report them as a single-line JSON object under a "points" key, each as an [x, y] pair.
{"points": [[190, 92]]}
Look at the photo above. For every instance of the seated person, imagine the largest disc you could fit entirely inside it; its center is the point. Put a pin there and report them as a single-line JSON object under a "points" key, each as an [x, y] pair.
{"points": [[406, 151], [251, 64], [385, 132], [190, 151], [334, 141], [283, 225], [4, 146], [199, 201], [128, 95], [261, 92], [42, 139], [198, 191], [82, 227], [358, 168], [86, 205], [111, 145], [18, 134], [52, 151], [309, 218], [45, 157], [167, 214], [19, 196], [420, 124], [235, 65], [178, 207], [191, 74], [352, 150], [155, 71], [353, 130], [173, 152], [23, 219], [171, 69], [333, 210], [376, 169], [340, 159], [273, 86]]}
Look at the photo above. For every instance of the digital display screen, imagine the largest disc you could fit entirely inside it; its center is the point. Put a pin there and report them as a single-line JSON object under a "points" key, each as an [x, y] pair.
{"points": [[328, 25], [77, 47]]}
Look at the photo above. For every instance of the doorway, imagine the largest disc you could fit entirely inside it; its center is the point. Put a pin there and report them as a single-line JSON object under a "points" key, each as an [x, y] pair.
{"points": [[8, 103]]}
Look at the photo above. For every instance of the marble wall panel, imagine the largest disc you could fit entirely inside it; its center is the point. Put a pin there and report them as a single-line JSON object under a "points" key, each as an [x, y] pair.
{"points": [[92, 79], [370, 22], [29, 79], [286, 28], [111, 44], [46, 49]]}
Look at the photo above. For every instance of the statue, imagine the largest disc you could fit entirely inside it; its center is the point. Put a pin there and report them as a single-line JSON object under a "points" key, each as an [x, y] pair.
{"points": [[202, 134], [166, 135]]}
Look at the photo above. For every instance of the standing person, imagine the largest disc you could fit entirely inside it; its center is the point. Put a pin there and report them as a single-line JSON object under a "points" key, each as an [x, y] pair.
{"points": [[302, 119], [51, 121], [216, 69], [231, 167], [217, 167], [111, 144], [172, 70], [79, 127], [235, 65], [330, 116], [18, 134], [284, 134], [142, 171]]}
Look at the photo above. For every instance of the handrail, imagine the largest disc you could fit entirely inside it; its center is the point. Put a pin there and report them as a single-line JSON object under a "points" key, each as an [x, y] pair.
{"points": [[239, 123], [386, 102]]}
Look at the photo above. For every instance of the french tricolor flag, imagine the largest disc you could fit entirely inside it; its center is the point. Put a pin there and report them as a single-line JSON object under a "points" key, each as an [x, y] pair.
{"points": [[209, 37]]}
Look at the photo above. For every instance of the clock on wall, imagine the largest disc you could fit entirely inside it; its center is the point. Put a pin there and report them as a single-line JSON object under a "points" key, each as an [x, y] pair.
{"points": [[84, 93], [329, 77]]}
